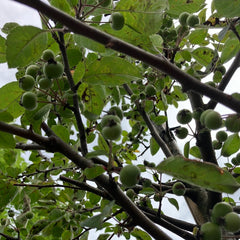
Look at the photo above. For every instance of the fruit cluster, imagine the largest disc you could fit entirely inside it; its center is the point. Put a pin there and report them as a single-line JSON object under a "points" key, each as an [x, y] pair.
{"points": [[222, 216], [188, 19], [39, 78]]}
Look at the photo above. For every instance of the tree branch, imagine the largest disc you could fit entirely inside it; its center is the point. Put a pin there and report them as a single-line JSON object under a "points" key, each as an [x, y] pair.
{"points": [[189, 82]]}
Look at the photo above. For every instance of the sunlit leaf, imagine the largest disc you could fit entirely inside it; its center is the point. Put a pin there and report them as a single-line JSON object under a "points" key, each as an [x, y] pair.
{"points": [[25, 45], [231, 145], [199, 173], [203, 55], [111, 71], [229, 9]]}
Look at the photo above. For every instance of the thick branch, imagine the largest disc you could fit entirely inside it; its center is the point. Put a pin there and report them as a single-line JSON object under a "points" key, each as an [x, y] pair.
{"points": [[189, 82], [55, 144]]}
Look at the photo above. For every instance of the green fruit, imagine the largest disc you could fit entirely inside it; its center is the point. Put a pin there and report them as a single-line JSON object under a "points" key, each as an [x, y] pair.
{"points": [[210, 231], [221, 136], [183, 18], [213, 120], [105, 3], [203, 115], [129, 175], [3, 221], [181, 132], [27, 82], [32, 70], [192, 20], [48, 55], [157, 197], [221, 69], [45, 83], [53, 69], [232, 222], [216, 144], [219, 210], [184, 116], [130, 193], [29, 215], [29, 101], [112, 132], [109, 120], [117, 21], [236, 95], [178, 189], [232, 123], [116, 111], [197, 114], [150, 90], [11, 213]]}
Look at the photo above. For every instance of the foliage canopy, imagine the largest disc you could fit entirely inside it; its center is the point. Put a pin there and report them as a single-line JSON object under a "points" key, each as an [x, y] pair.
{"points": [[140, 70]]}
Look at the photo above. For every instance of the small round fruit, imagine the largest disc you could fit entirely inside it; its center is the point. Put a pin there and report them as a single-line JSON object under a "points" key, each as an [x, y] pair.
{"points": [[157, 197], [219, 210], [32, 70], [109, 120], [181, 132], [129, 175], [113, 132], [178, 189], [130, 193], [184, 116], [232, 222], [210, 231], [221, 69], [197, 113], [29, 215], [116, 111], [232, 123], [213, 120], [29, 101], [45, 83], [150, 90], [192, 20], [183, 18], [147, 183], [216, 144], [11, 213], [203, 115], [27, 82], [117, 21], [53, 69], [105, 3], [221, 136], [47, 55]]}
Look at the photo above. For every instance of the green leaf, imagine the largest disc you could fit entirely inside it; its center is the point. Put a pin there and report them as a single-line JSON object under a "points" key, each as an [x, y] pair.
{"points": [[85, 42], [140, 234], [55, 214], [8, 191], [229, 9], [93, 97], [2, 50], [96, 153], [154, 147], [186, 149], [231, 145], [174, 202], [143, 14], [79, 72], [102, 143], [179, 6], [203, 55], [62, 5], [25, 44], [197, 36], [195, 152], [5, 116], [93, 222], [8, 27], [7, 140], [199, 173], [62, 132], [111, 71], [230, 48], [10, 95], [93, 172], [42, 112]]}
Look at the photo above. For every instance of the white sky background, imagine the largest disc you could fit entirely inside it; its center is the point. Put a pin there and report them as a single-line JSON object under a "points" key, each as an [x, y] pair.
{"points": [[11, 11]]}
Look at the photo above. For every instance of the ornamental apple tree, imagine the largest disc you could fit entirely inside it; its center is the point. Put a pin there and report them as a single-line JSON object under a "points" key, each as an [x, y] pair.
{"points": [[87, 140]]}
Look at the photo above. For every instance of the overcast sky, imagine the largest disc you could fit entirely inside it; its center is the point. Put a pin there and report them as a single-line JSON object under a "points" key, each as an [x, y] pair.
{"points": [[11, 11]]}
